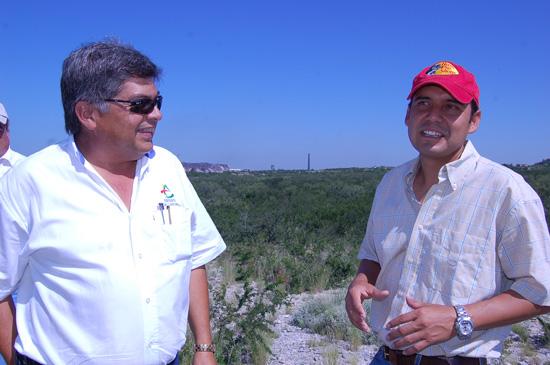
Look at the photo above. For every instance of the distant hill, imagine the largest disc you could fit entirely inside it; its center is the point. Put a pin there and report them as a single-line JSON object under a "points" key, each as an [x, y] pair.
{"points": [[204, 167]]}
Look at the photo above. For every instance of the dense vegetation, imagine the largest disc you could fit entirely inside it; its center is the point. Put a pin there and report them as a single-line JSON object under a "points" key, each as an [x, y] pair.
{"points": [[301, 227]]}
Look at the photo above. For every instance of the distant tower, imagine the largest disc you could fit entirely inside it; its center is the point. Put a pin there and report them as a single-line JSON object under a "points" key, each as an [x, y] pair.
{"points": [[308, 162]]}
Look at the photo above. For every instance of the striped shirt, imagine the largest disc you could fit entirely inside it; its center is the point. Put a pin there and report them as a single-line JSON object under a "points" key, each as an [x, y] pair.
{"points": [[479, 232]]}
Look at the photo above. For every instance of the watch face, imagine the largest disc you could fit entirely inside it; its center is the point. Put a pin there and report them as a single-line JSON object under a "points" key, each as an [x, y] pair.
{"points": [[465, 327]]}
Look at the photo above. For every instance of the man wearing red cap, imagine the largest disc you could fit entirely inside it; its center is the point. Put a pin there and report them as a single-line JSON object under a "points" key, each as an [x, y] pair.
{"points": [[457, 246]]}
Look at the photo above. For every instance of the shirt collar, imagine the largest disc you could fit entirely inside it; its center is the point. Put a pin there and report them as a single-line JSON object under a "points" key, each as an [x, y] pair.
{"points": [[7, 156], [455, 172]]}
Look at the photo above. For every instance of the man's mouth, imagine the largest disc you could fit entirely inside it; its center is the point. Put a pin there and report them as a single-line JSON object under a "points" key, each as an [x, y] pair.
{"points": [[431, 134], [146, 130]]}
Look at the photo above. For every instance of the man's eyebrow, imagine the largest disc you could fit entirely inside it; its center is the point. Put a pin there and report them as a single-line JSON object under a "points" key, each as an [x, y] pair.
{"points": [[449, 100]]}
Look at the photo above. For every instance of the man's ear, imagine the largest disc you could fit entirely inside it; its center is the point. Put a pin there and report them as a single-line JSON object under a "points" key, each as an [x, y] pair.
{"points": [[407, 115], [474, 122], [86, 113]]}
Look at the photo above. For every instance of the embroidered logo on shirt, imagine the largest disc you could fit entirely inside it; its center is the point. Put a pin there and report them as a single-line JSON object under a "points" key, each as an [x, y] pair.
{"points": [[167, 193]]}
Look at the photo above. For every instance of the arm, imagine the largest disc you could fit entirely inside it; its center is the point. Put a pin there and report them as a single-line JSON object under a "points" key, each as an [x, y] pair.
{"points": [[429, 324], [361, 288], [199, 314], [8, 332]]}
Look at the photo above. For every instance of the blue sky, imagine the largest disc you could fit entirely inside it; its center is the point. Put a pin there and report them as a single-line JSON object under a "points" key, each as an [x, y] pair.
{"points": [[258, 83]]}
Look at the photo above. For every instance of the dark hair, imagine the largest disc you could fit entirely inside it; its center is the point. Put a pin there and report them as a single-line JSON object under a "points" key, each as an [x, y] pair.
{"points": [[474, 108], [96, 72]]}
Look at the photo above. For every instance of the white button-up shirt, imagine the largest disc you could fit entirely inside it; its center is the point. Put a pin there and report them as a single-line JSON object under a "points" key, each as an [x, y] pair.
{"points": [[99, 284], [480, 231]]}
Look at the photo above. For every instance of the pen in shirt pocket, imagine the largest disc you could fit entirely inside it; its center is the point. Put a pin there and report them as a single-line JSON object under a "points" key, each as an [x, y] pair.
{"points": [[161, 207], [169, 215]]}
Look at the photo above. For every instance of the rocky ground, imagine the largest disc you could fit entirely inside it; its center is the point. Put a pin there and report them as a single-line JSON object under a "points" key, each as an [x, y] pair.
{"points": [[296, 346]]}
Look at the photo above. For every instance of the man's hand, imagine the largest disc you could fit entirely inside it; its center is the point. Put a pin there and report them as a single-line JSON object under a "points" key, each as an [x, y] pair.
{"points": [[359, 290], [426, 325]]}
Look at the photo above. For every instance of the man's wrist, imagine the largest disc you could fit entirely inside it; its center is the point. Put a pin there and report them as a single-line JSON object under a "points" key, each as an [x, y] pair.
{"points": [[464, 325], [205, 348]]}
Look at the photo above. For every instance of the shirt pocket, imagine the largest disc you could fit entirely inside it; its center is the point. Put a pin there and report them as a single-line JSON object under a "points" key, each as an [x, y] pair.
{"points": [[459, 266], [173, 224]]}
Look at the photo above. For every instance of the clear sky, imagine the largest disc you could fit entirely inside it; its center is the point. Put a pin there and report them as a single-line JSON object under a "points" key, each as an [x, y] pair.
{"points": [[261, 82]]}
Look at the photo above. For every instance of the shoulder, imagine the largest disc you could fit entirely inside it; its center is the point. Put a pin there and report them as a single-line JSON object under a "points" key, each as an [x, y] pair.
{"points": [[164, 162], [506, 186], [16, 156], [46, 159], [501, 178], [397, 175], [162, 155]]}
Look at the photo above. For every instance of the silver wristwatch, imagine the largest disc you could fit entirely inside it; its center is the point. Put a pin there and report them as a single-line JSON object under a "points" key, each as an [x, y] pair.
{"points": [[464, 325]]}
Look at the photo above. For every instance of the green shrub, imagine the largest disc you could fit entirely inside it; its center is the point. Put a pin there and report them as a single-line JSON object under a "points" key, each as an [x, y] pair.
{"points": [[521, 331], [326, 315], [242, 321], [546, 328]]}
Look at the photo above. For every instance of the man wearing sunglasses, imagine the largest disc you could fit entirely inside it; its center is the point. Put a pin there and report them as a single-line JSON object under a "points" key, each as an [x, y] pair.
{"points": [[103, 233], [8, 157]]}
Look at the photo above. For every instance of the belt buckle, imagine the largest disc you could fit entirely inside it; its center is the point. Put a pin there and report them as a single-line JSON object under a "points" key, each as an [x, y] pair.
{"points": [[391, 355], [386, 352]]}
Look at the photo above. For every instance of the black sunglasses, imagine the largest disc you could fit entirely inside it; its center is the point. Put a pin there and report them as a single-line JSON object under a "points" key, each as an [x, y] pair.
{"points": [[144, 106]]}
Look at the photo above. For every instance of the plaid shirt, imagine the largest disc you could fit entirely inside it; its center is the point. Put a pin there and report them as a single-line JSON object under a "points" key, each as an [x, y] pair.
{"points": [[479, 232]]}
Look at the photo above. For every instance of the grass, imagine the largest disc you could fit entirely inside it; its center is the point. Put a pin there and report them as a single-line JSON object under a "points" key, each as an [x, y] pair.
{"points": [[330, 355], [521, 331], [326, 315]]}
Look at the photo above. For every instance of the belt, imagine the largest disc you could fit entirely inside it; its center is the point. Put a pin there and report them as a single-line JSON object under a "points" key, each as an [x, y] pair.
{"points": [[396, 357], [24, 360]]}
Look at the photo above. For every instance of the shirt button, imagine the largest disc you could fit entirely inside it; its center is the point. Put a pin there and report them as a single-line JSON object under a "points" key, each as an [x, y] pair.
{"points": [[140, 256], [454, 186], [148, 300], [420, 227]]}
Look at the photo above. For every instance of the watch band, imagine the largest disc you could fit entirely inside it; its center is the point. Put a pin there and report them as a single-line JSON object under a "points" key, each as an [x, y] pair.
{"points": [[205, 348], [460, 311]]}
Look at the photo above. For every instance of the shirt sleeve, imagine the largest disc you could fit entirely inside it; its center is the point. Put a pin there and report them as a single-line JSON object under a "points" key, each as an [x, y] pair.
{"points": [[368, 249], [524, 248], [13, 237], [206, 241]]}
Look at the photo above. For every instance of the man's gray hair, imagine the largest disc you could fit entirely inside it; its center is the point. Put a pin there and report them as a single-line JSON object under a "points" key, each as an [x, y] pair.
{"points": [[98, 71]]}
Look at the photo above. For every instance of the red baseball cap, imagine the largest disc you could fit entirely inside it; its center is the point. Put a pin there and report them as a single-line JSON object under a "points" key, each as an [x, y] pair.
{"points": [[452, 77]]}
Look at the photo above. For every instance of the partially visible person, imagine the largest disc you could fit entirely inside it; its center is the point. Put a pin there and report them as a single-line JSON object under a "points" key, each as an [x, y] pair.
{"points": [[103, 233], [457, 246], [8, 157]]}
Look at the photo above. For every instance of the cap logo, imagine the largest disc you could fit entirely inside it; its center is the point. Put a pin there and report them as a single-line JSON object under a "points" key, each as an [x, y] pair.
{"points": [[442, 68]]}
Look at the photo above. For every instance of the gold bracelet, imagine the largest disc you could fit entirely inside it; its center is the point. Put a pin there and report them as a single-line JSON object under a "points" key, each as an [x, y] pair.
{"points": [[205, 348]]}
